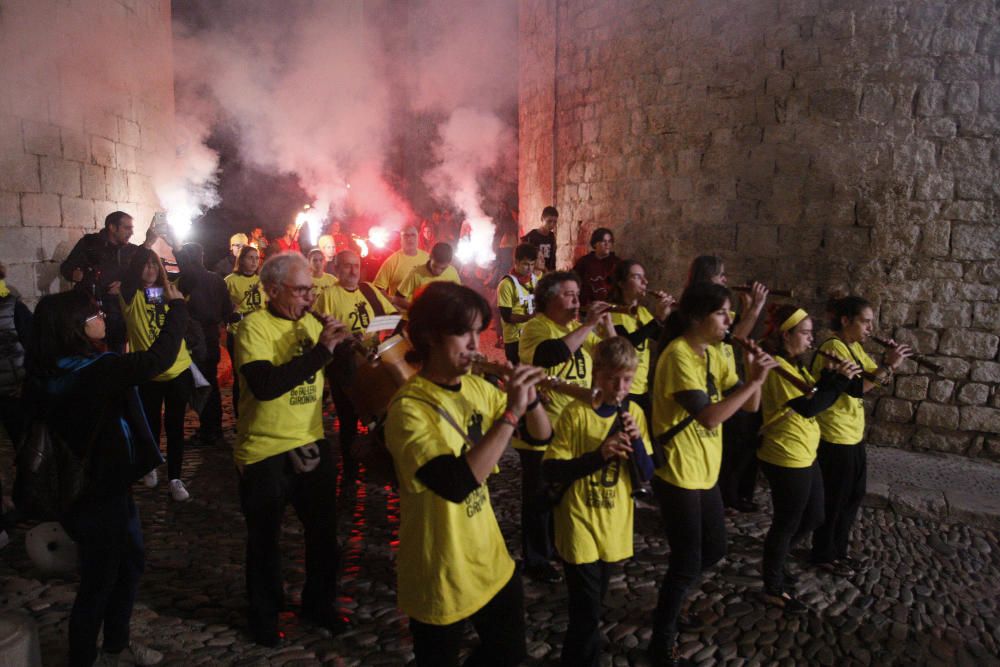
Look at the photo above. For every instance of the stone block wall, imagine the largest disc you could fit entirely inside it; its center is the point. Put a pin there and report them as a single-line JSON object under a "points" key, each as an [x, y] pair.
{"points": [[814, 144], [86, 112]]}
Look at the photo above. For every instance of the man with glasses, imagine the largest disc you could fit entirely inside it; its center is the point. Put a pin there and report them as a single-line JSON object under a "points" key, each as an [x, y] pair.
{"points": [[99, 260], [280, 451], [398, 265], [225, 265]]}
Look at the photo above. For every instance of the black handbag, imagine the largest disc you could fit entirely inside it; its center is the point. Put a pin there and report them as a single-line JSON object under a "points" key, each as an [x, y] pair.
{"points": [[50, 476]]}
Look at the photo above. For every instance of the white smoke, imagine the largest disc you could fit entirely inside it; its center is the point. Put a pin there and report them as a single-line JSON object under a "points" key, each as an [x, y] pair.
{"points": [[317, 89]]}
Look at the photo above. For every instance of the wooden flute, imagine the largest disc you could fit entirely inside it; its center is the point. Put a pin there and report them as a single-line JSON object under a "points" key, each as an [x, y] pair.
{"points": [[871, 377], [793, 379], [920, 359], [592, 397]]}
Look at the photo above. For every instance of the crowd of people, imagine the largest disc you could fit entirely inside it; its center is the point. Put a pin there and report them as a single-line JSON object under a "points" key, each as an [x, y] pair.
{"points": [[670, 410]]}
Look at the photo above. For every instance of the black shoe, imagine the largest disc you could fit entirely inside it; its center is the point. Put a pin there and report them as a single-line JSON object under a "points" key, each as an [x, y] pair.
{"points": [[785, 602], [545, 573], [666, 654]]}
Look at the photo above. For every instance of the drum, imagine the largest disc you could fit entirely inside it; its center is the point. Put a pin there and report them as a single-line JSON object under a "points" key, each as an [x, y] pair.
{"points": [[376, 380]]}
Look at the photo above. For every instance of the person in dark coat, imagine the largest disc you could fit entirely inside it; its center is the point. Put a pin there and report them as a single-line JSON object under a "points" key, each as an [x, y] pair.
{"points": [[91, 402]]}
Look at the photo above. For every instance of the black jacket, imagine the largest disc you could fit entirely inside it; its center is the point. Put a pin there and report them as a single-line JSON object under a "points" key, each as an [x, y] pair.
{"points": [[101, 261], [93, 403]]}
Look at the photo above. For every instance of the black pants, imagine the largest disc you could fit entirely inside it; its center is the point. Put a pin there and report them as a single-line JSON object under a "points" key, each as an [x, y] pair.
{"points": [[536, 515], [172, 397], [738, 474], [587, 584], [500, 625], [347, 417], [111, 559], [797, 496], [211, 414], [696, 531], [510, 351], [266, 487], [12, 418], [231, 349], [845, 482]]}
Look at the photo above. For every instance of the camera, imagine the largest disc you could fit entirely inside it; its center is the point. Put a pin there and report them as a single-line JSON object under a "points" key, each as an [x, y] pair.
{"points": [[154, 295]]}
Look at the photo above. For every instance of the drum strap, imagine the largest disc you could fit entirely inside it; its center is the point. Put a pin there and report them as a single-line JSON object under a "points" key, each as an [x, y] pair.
{"points": [[372, 298]]}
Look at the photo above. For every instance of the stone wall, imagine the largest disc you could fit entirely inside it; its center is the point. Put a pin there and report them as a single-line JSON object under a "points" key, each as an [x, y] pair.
{"points": [[86, 112], [814, 144]]}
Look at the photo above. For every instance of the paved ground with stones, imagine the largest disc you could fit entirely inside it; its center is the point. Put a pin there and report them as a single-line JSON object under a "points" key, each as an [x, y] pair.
{"points": [[931, 596]]}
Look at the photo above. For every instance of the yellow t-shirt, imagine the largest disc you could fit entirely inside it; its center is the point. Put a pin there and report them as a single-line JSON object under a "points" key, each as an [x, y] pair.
{"points": [[266, 428], [593, 521], [694, 454], [421, 276], [246, 294], [143, 322], [351, 308], [321, 285], [452, 557], [632, 323], [789, 439], [578, 369], [395, 268], [520, 298], [843, 423]]}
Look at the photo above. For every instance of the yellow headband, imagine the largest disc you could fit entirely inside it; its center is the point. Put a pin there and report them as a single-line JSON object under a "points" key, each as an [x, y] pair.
{"points": [[793, 320]]}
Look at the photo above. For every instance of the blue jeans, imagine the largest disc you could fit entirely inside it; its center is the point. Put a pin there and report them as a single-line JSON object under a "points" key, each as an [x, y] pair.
{"points": [[109, 538]]}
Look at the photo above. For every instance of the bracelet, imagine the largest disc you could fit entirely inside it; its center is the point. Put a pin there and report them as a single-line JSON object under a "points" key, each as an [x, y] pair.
{"points": [[534, 404], [508, 417]]}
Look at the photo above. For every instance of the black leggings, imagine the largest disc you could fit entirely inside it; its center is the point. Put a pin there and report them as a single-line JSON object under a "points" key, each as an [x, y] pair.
{"points": [[586, 584], [696, 531], [845, 482], [499, 624], [797, 495], [172, 397]]}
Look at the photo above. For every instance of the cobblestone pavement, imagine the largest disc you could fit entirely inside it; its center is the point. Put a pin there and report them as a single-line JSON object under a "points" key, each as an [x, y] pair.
{"points": [[930, 597]]}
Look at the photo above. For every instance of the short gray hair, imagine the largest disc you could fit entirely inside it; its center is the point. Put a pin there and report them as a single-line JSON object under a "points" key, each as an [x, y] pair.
{"points": [[277, 267]]}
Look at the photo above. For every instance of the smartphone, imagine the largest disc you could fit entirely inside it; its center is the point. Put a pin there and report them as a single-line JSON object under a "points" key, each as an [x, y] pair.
{"points": [[154, 295]]}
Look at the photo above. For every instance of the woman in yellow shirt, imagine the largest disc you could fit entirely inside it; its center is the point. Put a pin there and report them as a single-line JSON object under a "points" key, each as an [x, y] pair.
{"points": [[688, 411], [788, 452], [247, 296], [446, 430], [145, 309], [842, 456], [738, 476], [641, 329]]}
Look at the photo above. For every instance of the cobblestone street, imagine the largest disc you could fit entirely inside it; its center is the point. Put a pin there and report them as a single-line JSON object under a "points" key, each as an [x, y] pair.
{"points": [[930, 597]]}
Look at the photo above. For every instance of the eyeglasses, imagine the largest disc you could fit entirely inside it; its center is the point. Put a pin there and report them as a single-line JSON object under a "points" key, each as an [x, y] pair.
{"points": [[300, 290], [98, 314]]}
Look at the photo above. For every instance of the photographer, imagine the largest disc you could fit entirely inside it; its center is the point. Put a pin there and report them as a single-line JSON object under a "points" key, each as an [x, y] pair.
{"points": [[99, 260]]}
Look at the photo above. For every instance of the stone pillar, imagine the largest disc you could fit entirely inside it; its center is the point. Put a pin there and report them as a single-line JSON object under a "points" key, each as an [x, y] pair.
{"points": [[814, 145], [86, 111]]}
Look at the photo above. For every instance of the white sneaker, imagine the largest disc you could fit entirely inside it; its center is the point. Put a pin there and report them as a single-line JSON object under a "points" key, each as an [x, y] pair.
{"points": [[177, 491], [150, 479], [142, 655]]}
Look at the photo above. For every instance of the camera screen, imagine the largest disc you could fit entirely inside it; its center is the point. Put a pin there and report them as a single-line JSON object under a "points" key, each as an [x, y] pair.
{"points": [[154, 295]]}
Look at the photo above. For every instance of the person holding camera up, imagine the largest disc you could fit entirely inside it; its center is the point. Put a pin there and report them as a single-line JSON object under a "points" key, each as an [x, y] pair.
{"points": [[142, 302]]}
